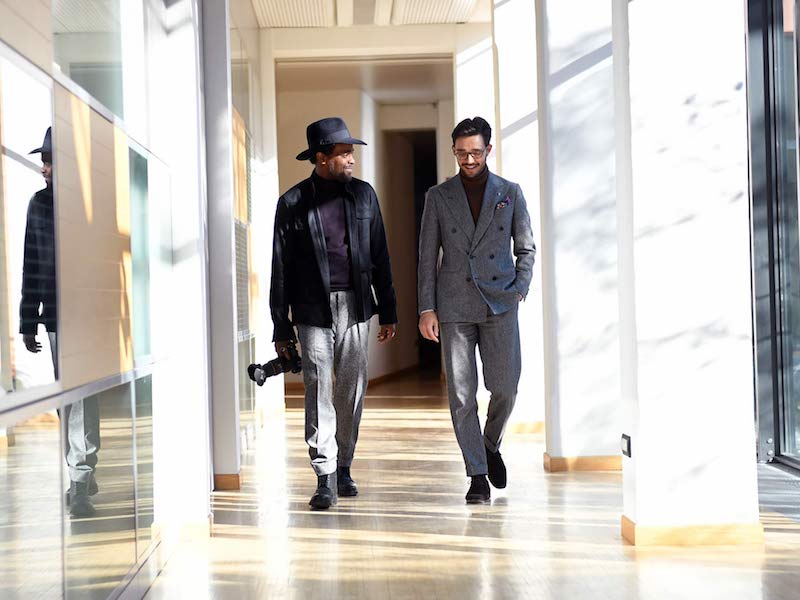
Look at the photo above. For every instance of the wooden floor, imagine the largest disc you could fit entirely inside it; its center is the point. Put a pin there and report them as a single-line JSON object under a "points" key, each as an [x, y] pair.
{"points": [[410, 535]]}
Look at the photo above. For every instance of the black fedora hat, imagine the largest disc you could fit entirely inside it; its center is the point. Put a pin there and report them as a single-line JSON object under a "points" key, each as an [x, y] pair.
{"points": [[331, 130], [47, 145]]}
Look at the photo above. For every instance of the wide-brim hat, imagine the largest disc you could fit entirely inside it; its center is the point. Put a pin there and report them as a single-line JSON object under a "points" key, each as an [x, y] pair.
{"points": [[331, 130], [47, 144]]}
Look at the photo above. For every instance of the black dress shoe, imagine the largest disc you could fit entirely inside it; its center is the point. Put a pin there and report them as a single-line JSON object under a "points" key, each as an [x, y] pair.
{"points": [[346, 486], [478, 492], [497, 469], [325, 496], [91, 490], [80, 506]]}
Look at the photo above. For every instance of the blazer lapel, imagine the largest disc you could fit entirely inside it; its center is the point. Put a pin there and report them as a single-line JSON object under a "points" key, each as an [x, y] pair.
{"points": [[459, 206], [491, 196]]}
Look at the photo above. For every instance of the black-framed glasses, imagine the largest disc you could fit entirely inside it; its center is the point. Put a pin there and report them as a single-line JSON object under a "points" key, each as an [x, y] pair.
{"points": [[463, 154]]}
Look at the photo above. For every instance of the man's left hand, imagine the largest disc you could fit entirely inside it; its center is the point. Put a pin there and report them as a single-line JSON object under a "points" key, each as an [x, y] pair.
{"points": [[387, 333]]}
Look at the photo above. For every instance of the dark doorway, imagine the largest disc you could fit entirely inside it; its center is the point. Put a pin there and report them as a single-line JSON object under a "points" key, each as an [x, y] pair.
{"points": [[425, 177]]}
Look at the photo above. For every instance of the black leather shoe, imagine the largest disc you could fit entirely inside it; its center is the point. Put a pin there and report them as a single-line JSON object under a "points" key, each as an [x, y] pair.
{"points": [[478, 492], [80, 506], [325, 496], [92, 489], [346, 486], [497, 469]]}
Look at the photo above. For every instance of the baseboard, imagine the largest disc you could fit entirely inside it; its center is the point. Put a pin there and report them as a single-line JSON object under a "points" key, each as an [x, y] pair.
{"points": [[693, 535], [227, 482], [297, 386], [560, 464], [526, 427], [7, 441], [393, 375], [198, 530]]}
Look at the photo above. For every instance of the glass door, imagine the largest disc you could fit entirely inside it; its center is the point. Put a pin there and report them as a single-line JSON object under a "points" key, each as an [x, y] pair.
{"points": [[788, 229]]}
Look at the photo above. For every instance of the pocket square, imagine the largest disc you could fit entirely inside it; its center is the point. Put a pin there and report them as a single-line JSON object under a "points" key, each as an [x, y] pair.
{"points": [[502, 203]]}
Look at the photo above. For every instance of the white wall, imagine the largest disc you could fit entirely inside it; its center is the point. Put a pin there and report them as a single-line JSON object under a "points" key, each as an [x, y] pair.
{"points": [[397, 202], [296, 110], [408, 117]]}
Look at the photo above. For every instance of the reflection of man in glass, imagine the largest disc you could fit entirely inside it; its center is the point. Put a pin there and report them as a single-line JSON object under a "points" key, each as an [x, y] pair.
{"points": [[38, 305]]}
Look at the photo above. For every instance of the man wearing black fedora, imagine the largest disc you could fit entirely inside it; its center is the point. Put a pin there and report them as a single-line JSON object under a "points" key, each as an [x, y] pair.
{"points": [[39, 305], [329, 256]]}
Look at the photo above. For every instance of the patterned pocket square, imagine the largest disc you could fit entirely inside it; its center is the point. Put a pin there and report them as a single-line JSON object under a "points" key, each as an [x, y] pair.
{"points": [[502, 203]]}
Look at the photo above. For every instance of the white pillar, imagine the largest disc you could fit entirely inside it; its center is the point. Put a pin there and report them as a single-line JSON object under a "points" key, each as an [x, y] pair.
{"points": [[578, 246], [221, 259], [269, 397], [517, 134], [685, 300]]}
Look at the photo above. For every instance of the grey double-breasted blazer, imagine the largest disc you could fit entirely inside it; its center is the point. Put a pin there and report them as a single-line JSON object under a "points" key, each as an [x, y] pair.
{"points": [[477, 268]]}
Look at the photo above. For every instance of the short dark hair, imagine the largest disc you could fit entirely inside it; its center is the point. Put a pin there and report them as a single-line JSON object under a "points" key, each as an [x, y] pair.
{"points": [[473, 126], [327, 150]]}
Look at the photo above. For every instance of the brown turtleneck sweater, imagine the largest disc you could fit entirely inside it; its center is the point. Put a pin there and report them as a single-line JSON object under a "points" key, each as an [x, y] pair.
{"points": [[475, 187]]}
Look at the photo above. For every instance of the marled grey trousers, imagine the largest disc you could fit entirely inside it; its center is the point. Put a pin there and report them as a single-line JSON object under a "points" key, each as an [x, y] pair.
{"points": [[497, 339], [335, 378], [81, 429]]}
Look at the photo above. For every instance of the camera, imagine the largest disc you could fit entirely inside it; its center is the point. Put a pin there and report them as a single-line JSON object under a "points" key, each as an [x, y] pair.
{"points": [[276, 366]]}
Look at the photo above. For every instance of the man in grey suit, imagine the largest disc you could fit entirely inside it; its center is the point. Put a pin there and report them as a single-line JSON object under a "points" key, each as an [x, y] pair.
{"points": [[474, 296]]}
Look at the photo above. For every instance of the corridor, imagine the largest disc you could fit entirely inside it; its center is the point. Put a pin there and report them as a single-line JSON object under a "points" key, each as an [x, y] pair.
{"points": [[410, 535]]}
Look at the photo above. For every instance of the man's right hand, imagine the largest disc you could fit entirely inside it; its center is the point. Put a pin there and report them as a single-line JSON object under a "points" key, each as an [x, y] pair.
{"points": [[281, 348], [429, 326], [29, 339]]}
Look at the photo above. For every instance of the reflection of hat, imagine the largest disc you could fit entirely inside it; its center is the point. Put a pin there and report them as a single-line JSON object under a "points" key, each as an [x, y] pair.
{"points": [[47, 146], [324, 132]]}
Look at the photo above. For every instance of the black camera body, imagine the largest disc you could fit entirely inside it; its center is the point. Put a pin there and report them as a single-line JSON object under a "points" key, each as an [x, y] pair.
{"points": [[276, 366]]}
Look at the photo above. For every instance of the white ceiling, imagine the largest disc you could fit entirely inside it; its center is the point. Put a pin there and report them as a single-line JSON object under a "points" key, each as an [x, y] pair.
{"points": [[329, 13], [82, 16], [390, 81]]}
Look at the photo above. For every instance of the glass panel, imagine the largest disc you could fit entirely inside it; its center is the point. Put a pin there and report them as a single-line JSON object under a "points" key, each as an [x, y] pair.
{"points": [[789, 251], [101, 47], [87, 47], [140, 250], [30, 509], [100, 529], [144, 462], [28, 350], [240, 77]]}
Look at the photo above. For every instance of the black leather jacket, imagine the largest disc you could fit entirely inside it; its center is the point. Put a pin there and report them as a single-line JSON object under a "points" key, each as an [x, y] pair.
{"points": [[39, 266], [300, 275]]}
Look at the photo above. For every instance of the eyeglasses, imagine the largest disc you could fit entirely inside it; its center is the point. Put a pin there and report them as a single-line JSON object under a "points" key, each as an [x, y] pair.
{"points": [[463, 154]]}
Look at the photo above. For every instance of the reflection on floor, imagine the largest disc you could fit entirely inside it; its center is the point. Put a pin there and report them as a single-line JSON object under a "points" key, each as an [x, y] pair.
{"points": [[410, 535], [98, 551], [30, 512]]}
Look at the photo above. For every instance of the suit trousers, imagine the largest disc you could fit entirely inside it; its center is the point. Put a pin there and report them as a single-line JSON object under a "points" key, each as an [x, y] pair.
{"points": [[497, 339], [335, 378]]}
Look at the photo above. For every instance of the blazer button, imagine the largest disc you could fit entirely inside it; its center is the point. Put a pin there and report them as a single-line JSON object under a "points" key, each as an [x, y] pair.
{"points": [[501, 228], [494, 278], [491, 257], [453, 230], [469, 279]]}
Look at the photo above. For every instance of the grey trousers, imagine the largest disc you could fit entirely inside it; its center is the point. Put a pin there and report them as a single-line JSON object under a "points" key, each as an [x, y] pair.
{"points": [[497, 338], [81, 429], [335, 378]]}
